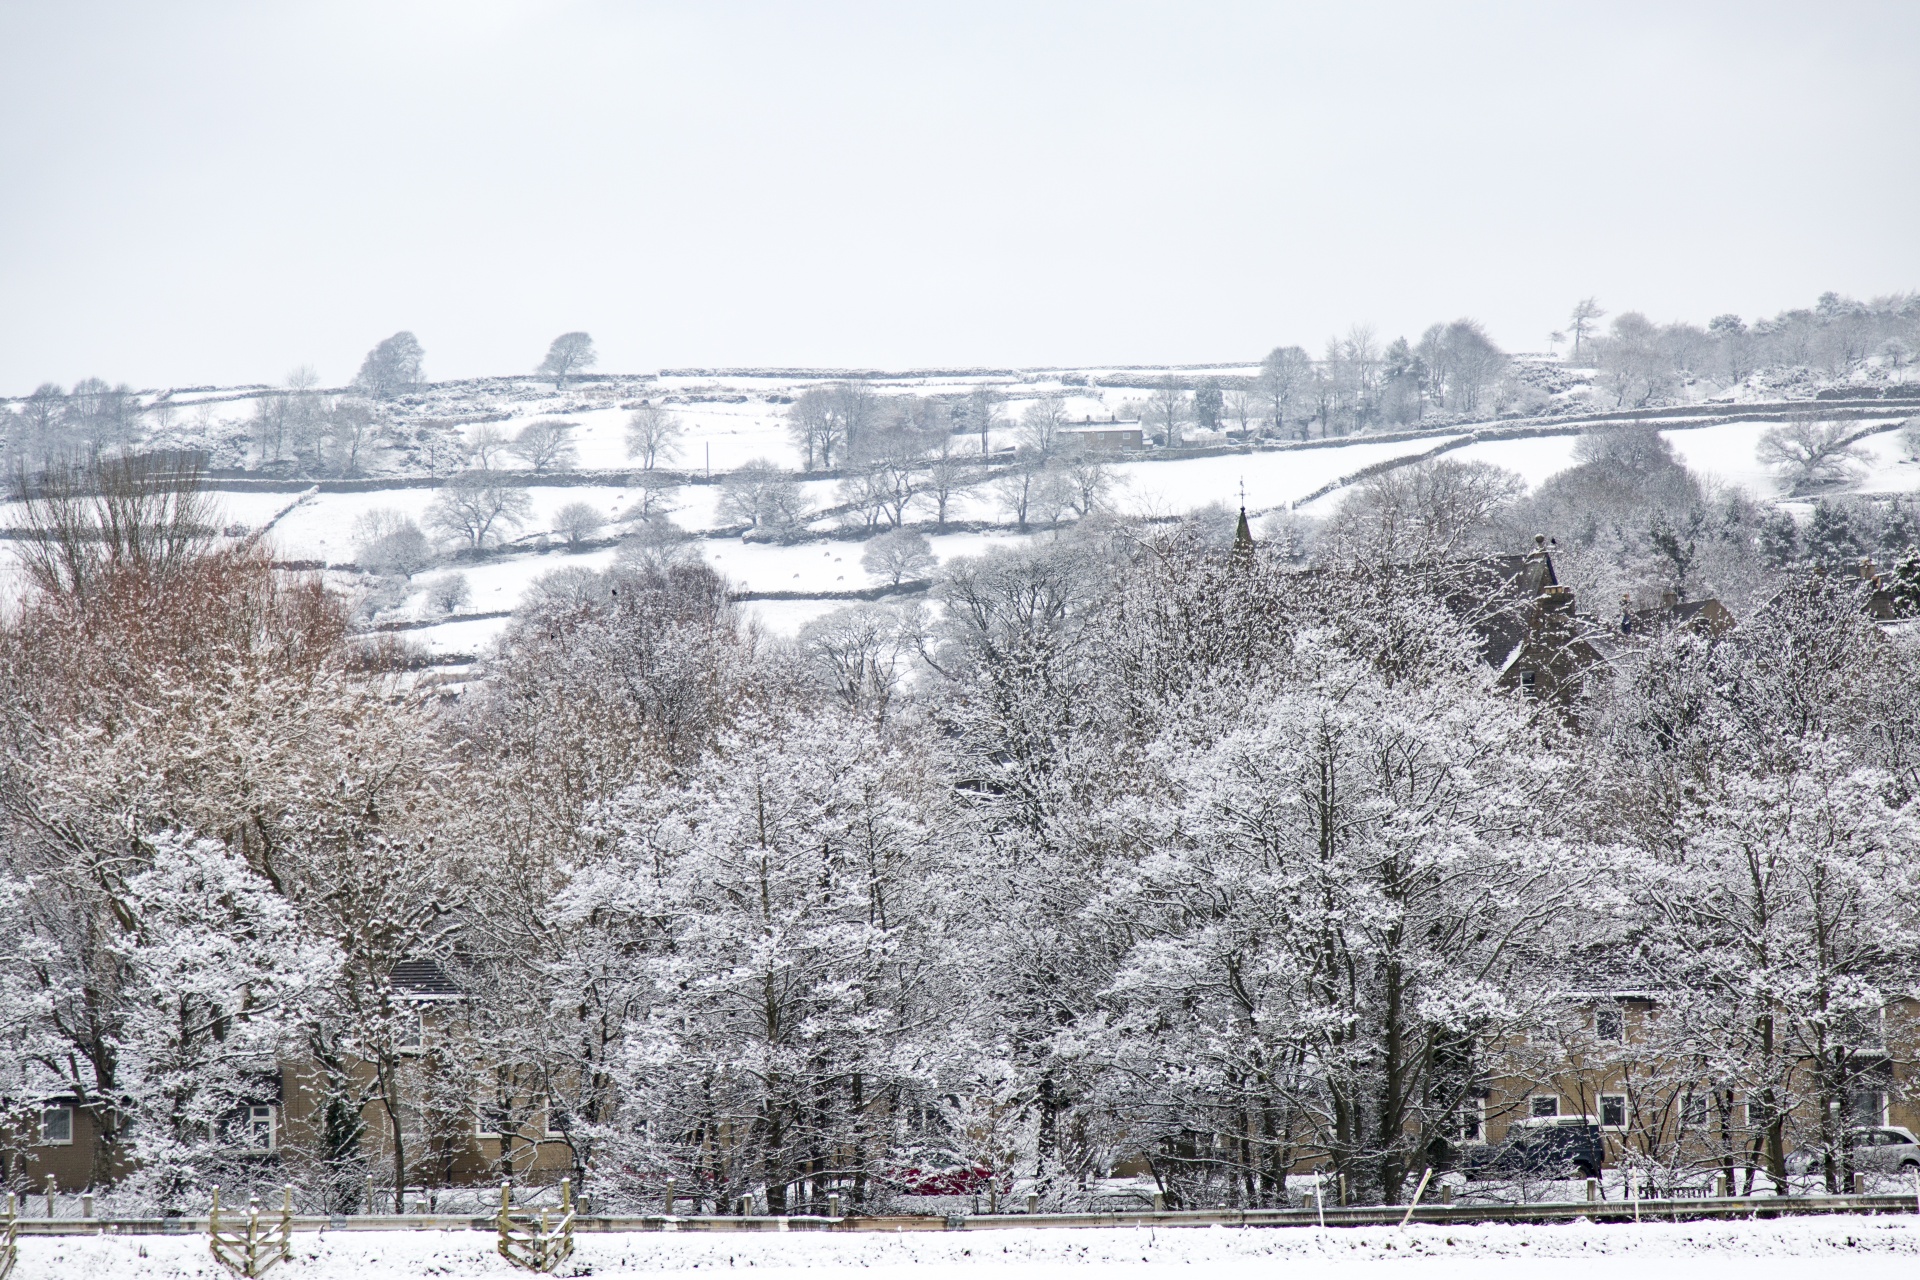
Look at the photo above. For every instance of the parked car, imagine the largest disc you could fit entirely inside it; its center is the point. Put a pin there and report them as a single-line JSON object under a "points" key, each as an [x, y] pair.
{"points": [[1549, 1147], [938, 1174], [1876, 1149]]}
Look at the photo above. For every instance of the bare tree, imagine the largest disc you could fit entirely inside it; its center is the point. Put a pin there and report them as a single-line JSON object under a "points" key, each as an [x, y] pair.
{"points": [[1812, 453], [392, 368], [577, 522], [135, 517], [947, 477], [484, 445], [1090, 481], [858, 654], [1014, 486], [983, 415], [350, 432], [1423, 512], [546, 445], [570, 353], [1041, 425], [653, 435], [479, 507], [1242, 408], [387, 543], [1167, 408], [1284, 377], [1585, 313], [655, 488], [813, 423], [761, 495], [897, 554]]}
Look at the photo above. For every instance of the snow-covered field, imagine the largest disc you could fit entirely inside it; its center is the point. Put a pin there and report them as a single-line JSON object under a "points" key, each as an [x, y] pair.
{"points": [[1790, 1248], [731, 419]]}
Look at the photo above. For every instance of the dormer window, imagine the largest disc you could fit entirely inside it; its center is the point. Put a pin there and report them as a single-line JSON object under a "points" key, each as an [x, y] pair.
{"points": [[1530, 684]]}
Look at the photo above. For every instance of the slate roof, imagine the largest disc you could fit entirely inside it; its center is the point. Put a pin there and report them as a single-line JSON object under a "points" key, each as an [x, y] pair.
{"points": [[425, 980]]}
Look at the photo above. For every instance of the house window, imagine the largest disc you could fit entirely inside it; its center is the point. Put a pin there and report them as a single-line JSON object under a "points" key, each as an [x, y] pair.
{"points": [[1541, 1106], [1867, 1107], [1859, 1030], [256, 1131], [1613, 1110], [412, 1037], [1693, 1110], [1472, 1120], [1609, 1023], [556, 1126], [56, 1127], [1529, 684]]}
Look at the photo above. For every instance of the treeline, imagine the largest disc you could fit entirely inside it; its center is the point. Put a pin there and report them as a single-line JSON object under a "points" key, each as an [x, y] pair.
{"points": [[1640, 362], [1135, 845]]}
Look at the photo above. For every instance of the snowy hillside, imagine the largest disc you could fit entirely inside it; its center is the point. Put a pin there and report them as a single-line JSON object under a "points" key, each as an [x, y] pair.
{"points": [[732, 418]]}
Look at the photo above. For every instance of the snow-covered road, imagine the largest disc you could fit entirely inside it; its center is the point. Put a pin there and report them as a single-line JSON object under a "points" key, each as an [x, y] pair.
{"points": [[1656, 1251]]}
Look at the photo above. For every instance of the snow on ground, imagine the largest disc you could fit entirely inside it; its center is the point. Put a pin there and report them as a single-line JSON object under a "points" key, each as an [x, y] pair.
{"points": [[461, 637], [786, 617], [1272, 479], [1757, 1250], [1532, 460], [1891, 467], [806, 566], [723, 436], [1726, 453]]}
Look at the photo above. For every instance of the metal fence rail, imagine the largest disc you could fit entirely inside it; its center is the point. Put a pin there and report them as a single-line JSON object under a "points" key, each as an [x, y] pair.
{"points": [[1614, 1211]]}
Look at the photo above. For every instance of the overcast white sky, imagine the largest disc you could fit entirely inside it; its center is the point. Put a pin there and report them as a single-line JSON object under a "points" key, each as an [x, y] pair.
{"points": [[217, 192]]}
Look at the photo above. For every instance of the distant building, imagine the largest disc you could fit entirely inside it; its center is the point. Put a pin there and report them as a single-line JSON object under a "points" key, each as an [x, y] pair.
{"points": [[1113, 436]]}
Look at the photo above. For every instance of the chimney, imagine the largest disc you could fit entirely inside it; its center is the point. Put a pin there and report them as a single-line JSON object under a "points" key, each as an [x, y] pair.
{"points": [[1668, 599]]}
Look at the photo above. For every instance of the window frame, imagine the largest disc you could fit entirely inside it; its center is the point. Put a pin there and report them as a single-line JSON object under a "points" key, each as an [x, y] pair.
{"points": [[1534, 1101], [1625, 1110], [1474, 1109], [250, 1118], [60, 1109]]}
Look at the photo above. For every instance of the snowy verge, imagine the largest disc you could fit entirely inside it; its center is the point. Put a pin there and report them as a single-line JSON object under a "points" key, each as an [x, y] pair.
{"points": [[1754, 1247]]}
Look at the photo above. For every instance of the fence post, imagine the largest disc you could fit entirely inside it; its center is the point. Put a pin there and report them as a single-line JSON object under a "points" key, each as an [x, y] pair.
{"points": [[86, 1204], [1159, 1202], [1859, 1183], [1593, 1191], [669, 1197], [1720, 1185], [833, 1205], [52, 1190], [1446, 1193], [1033, 1201], [1343, 1190]]}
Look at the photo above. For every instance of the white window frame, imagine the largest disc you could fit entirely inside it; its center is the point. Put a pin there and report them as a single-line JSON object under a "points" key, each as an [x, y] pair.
{"points": [[1702, 1102], [417, 1023], [1477, 1109], [1533, 1106], [46, 1141], [249, 1128], [1625, 1110]]}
